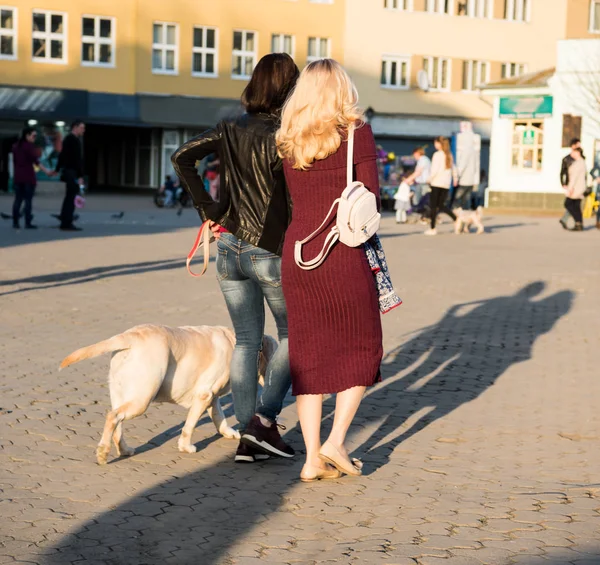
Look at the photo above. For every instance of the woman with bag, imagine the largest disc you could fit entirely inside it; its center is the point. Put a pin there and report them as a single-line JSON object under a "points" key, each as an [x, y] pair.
{"points": [[253, 213], [25, 157], [442, 176], [335, 335]]}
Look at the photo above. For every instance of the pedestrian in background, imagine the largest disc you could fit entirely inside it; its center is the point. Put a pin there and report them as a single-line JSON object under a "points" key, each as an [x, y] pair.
{"points": [[334, 320], [25, 158], [254, 210], [564, 177], [70, 166], [420, 177], [576, 187], [442, 177]]}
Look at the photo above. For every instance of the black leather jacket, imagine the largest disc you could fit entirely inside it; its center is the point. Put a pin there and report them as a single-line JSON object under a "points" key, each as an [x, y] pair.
{"points": [[254, 203]]}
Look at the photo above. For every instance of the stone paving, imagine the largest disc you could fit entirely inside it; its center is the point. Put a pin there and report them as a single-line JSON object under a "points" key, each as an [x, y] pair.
{"points": [[481, 445]]}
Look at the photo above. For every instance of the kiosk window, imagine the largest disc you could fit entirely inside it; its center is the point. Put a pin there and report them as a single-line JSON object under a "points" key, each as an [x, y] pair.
{"points": [[527, 145]]}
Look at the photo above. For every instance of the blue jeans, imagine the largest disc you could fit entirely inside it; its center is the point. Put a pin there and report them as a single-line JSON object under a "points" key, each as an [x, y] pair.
{"points": [[248, 276], [23, 193]]}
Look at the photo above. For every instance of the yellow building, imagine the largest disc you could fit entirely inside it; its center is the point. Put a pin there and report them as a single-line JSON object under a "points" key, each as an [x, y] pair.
{"points": [[145, 74], [418, 63]]}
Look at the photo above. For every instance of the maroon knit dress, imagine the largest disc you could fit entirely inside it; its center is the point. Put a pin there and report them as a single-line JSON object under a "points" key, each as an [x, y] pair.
{"points": [[334, 324]]}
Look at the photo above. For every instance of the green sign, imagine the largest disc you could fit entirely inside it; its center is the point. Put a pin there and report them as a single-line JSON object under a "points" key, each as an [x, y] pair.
{"points": [[526, 106], [528, 137]]}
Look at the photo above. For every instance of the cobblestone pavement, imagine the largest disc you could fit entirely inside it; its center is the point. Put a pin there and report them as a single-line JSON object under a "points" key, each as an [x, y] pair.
{"points": [[481, 445]]}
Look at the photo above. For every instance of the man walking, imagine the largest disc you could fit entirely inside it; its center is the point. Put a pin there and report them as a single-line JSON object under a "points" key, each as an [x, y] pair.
{"points": [[70, 164], [564, 177]]}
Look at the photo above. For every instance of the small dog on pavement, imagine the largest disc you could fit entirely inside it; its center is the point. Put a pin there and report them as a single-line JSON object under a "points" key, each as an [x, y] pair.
{"points": [[467, 218], [188, 366]]}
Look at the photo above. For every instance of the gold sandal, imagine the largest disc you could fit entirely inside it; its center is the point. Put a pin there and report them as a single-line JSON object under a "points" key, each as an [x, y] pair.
{"points": [[330, 454], [320, 474]]}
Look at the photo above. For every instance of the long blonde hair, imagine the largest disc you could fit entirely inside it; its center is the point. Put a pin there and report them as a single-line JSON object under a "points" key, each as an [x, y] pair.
{"points": [[445, 143], [322, 106]]}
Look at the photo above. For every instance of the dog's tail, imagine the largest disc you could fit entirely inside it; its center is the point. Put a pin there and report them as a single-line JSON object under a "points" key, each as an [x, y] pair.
{"points": [[115, 343]]}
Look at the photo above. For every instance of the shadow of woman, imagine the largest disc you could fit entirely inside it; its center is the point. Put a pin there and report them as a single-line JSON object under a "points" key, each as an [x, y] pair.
{"points": [[199, 517], [455, 361]]}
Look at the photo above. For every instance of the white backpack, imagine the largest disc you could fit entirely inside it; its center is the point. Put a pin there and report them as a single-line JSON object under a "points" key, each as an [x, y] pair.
{"points": [[357, 217]]}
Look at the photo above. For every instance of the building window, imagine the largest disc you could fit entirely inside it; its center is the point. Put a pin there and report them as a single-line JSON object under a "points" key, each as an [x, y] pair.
{"points": [[318, 48], [164, 48], [281, 43], [49, 37], [476, 8], [440, 6], [438, 71], [510, 70], [406, 5], [595, 16], [527, 145], [517, 10], [8, 33], [395, 72], [97, 41], [204, 52], [475, 73], [244, 54]]}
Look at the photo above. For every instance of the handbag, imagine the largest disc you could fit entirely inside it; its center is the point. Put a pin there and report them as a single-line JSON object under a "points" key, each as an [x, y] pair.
{"points": [[204, 239], [357, 217]]}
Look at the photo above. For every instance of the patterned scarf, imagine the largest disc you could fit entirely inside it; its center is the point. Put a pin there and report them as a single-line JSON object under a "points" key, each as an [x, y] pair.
{"points": [[388, 299]]}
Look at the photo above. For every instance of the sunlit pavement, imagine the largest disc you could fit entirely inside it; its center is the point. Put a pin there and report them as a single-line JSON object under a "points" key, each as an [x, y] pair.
{"points": [[481, 445]]}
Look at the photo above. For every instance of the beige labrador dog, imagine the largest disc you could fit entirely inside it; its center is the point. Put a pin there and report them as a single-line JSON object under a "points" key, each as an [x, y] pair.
{"points": [[188, 366], [467, 218]]}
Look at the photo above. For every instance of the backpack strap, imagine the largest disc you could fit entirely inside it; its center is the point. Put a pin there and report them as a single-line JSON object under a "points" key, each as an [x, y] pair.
{"points": [[203, 238], [350, 158], [330, 240]]}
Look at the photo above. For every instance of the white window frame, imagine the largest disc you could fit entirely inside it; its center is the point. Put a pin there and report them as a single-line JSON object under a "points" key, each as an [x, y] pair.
{"points": [[521, 7], [97, 41], [206, 51], [399, 60], [11, 33], [536, 146], [475, 76], [243, 53], [399, 5], [594, 5], [439, 87], [480, 9], [280, 40], [49, 36], [312, 58], [509, 65], [437, 7], [164, 47]]}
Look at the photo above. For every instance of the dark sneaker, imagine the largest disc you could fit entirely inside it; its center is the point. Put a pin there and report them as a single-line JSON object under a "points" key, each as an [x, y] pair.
{"points": [[563, 224], [245, 454], [16, 226], [70, 228], [30, 227], [266, 438], [578, 227]]}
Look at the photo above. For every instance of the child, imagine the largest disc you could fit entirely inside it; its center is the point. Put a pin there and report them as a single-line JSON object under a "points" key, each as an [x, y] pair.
{"points": [[402, 204]]}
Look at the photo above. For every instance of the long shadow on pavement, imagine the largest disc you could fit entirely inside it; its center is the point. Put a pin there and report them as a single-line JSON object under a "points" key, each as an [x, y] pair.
{"points": [[199, 517]]}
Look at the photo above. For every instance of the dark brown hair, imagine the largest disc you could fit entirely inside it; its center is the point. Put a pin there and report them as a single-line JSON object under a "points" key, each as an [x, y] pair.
{"points": [[273, 79], [445, 143], [419, 151]]}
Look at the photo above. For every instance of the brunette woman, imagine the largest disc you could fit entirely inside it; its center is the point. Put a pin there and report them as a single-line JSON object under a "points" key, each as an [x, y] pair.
{"points": [[253, 211], [25, 157], [441, 178]]}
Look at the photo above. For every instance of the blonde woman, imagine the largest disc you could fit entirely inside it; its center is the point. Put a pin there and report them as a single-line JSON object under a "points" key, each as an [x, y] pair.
{"points": [[442, 176], [335, 338]]}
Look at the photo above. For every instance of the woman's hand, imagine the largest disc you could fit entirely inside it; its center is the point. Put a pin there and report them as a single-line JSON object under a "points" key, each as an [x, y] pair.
{"points": [[215, 229]]}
